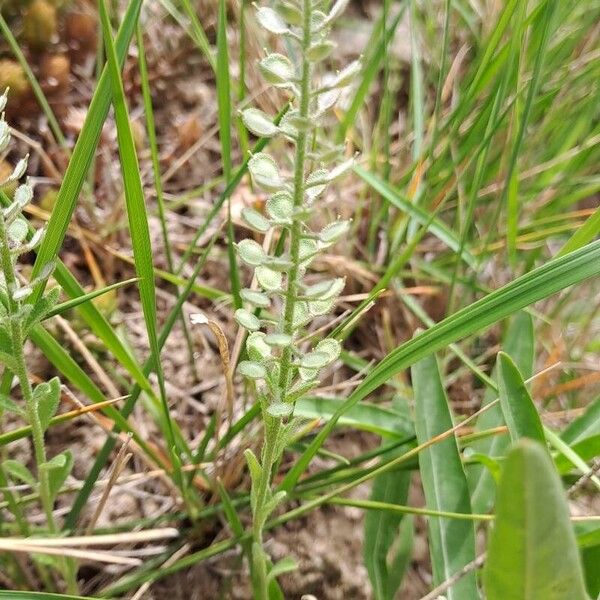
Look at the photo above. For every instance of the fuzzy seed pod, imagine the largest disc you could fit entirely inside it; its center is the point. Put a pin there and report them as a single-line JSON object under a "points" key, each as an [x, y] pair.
{"points": [[39, 25], [12, 76], [55, 70], [81, 32], [5, 170]]}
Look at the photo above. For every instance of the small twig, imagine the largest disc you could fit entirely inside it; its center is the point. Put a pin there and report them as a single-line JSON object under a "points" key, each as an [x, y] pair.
{"points": [[109, 539], [594, 470], [440, 589], [9, 545]]}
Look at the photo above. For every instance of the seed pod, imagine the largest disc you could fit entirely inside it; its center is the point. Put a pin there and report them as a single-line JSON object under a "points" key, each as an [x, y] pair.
{"points": [[277, 70], [12, 76], [56, 70], [39, 25]]}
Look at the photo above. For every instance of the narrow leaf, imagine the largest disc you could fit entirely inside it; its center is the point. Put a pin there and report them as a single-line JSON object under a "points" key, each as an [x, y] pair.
{"points": [[451, 541]]}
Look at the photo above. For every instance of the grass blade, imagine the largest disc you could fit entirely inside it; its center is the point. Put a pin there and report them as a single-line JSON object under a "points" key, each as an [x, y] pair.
{"points": [[82, 155], [8, 595], [224, 112], [584, 426], [451, 542], [436, 227], [382, 529], [198, 35], [532, 552], [138, 225], [74, 302], [540, 283]]}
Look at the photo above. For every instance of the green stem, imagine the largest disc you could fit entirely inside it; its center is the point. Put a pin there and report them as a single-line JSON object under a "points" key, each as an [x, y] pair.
{"points": [[273, 426], [20, 371]]}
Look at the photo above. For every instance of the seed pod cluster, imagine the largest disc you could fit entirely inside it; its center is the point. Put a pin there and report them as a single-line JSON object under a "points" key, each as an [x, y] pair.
{"points": [[284, 370]]}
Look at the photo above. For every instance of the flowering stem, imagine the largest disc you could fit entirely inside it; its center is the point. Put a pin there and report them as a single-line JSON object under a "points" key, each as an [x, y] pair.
{"points": [[32, 415], [273, 425]]}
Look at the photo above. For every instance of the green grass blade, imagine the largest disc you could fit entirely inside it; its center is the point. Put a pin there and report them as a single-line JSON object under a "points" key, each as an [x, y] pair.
{"points": [[75, 302], [451, 542], [511, 188], [158, 186], [417, 102], [527, 289], [198, 35], [82, 155], [368, 74], [14, 595], [517, 405], [436, 226], [138, 222], [381, 531], [366, 416], [584, 234], [532, 552], [584, 426], [224, 114]]}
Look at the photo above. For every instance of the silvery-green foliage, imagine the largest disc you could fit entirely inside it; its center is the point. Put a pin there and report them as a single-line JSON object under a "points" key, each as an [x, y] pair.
{"points": [[277, 336], [18, 315]]}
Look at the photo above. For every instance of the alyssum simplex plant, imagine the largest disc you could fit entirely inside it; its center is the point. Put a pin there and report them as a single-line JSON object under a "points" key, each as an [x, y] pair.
{"points": [[281, 303], [17, 318]]}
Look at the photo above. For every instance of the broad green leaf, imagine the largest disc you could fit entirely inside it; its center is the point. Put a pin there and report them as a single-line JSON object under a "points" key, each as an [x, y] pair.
{"points": [[519, 343], [532, 552], [542, 282], [451, 541], [59, 468], [517, 405], [590, 558]]}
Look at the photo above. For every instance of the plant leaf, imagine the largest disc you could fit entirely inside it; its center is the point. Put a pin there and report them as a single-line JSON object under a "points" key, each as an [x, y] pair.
{"points": [[532, 552], [542, 282], [519, 411], [47, 400], [19, 471], [451, 541], [519, 343]]}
